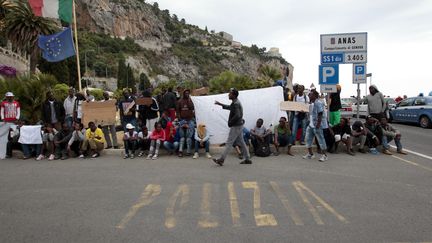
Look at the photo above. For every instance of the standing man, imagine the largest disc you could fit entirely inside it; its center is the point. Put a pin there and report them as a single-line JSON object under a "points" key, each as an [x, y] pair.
{"points": [[53, 111], [235, 123], [376, 103], [10, 109], [315, 128], [300, 117], [334, 106], [127, 109], [169, 101], [107, 129], [69, 104]]}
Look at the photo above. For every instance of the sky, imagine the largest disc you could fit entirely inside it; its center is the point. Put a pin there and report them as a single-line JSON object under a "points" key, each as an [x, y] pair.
{"points": [[399, 35]]}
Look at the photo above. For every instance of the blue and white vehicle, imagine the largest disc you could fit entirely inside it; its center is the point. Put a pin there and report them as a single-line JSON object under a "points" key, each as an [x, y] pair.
{"points": [[416, 110]]}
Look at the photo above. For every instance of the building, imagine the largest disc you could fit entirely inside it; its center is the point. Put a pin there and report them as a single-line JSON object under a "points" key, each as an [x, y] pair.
{"points": [[226, 36], [274, 52]]}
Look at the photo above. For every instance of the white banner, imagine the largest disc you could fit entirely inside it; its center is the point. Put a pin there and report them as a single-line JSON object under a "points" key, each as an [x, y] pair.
{"points": [[257, 103], [30, 135]]}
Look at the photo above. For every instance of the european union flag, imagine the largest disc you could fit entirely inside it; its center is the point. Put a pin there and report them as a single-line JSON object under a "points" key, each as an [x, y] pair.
{"points": [[57, 47]]}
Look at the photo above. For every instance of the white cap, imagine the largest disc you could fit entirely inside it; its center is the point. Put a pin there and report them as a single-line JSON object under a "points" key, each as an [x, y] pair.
{"points": [[130, 126], [9, 94]]}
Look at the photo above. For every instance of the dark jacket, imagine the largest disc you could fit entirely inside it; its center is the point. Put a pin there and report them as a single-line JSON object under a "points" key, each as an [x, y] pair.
{"points": [[149, 112], [169, 100], [236, 113], [59, 111]]}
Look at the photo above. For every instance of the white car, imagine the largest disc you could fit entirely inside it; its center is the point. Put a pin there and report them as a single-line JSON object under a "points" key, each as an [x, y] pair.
{"points": [[390, 103]]}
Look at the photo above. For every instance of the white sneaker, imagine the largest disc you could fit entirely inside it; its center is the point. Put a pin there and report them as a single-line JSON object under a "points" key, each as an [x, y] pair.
{"points": [[208, 155], [155, 157], [309, 156], [81, 156], [149, 156], [40, 157], [196, 155], [323, 158], [51, 157]]}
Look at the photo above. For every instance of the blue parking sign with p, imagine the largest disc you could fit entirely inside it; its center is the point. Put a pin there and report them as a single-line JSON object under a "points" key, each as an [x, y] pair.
{"points": [[329, 74], [360, 69]]}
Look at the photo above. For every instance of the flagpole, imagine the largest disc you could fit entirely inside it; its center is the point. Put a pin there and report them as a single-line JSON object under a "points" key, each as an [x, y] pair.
{"points": [[76, 45]]}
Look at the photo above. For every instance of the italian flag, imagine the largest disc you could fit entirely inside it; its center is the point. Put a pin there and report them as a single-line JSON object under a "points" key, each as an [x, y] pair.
{"points": [[58, 9]]}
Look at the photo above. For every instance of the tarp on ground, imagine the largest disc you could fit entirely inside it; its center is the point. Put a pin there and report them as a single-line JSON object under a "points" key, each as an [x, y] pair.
{"points": [[257, 103]]}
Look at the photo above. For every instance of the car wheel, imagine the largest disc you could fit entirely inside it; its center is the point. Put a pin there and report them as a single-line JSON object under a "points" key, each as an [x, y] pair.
{"points": [[425, 122]]}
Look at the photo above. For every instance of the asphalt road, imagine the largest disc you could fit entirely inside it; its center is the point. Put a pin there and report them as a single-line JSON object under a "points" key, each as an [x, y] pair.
{"points": [[416, 138], [365, 198]]}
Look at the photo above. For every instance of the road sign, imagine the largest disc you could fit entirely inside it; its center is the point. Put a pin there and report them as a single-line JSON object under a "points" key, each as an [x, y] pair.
{"points": [[359, 73], [329, 74], [349, 42], [325, 88], [344, 48], [332, 58]]}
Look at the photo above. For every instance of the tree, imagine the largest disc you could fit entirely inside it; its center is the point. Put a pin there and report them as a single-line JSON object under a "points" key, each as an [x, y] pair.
{"points": [[130, 79], [269, 74], [144, 82], [22, 28], [121, 74]]}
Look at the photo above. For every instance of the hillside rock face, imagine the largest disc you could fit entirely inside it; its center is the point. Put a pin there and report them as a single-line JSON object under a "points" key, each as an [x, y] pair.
{"points": [[149, 27]]}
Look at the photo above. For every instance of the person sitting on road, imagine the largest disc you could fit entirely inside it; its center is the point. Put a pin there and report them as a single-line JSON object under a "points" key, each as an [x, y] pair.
{"points": [[282, 136], [342, 132], [171, 143], [130, 139], [143, 140], [373, 134], [61, 141], [157, 138], [76, 140], [94, 139], [186, 131], [48, 142], [202, 140], [359, 133], [389, 133], [260, 135]]}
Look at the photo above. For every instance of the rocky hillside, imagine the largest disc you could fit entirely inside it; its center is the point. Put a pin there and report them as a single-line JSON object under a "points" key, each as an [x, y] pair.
{"points": [[171, 48]]}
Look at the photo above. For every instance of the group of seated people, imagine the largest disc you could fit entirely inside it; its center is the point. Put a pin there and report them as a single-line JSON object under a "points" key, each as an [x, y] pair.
{"points": [[371, 133], [55, 144], [174, 136]]}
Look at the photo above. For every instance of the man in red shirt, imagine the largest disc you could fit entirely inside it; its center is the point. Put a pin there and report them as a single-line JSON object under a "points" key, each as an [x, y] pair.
{"points": [[10, 109]]}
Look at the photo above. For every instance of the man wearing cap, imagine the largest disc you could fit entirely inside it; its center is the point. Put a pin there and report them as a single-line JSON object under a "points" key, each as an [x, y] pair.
{"points": [[10, 109], [376, 103], [235, 123]]}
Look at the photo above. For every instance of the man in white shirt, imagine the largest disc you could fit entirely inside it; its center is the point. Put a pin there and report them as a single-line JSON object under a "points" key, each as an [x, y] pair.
{"points": [[69, 104]]}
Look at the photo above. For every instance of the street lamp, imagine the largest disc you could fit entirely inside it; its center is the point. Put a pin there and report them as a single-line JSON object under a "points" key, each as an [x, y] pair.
{"points": [[85, 63], [370, 81]]}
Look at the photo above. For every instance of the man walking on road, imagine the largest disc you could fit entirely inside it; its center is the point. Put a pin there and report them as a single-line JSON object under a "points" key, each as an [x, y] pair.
{"points": [[235, 123]]}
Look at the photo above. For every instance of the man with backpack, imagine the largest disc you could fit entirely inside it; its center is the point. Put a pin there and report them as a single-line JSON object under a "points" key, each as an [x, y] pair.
{"points": [[261, 138]]}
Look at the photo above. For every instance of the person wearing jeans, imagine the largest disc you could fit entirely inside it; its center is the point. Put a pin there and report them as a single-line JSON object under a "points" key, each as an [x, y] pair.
{"points": [[202, 139], [171, 143], [388, 134], [186, 131], [300, 118], [315, 128]]}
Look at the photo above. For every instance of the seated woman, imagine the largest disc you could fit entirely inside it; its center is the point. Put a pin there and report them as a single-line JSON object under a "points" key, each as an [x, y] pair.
{"points": [[157, 137], [202, 140]]}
